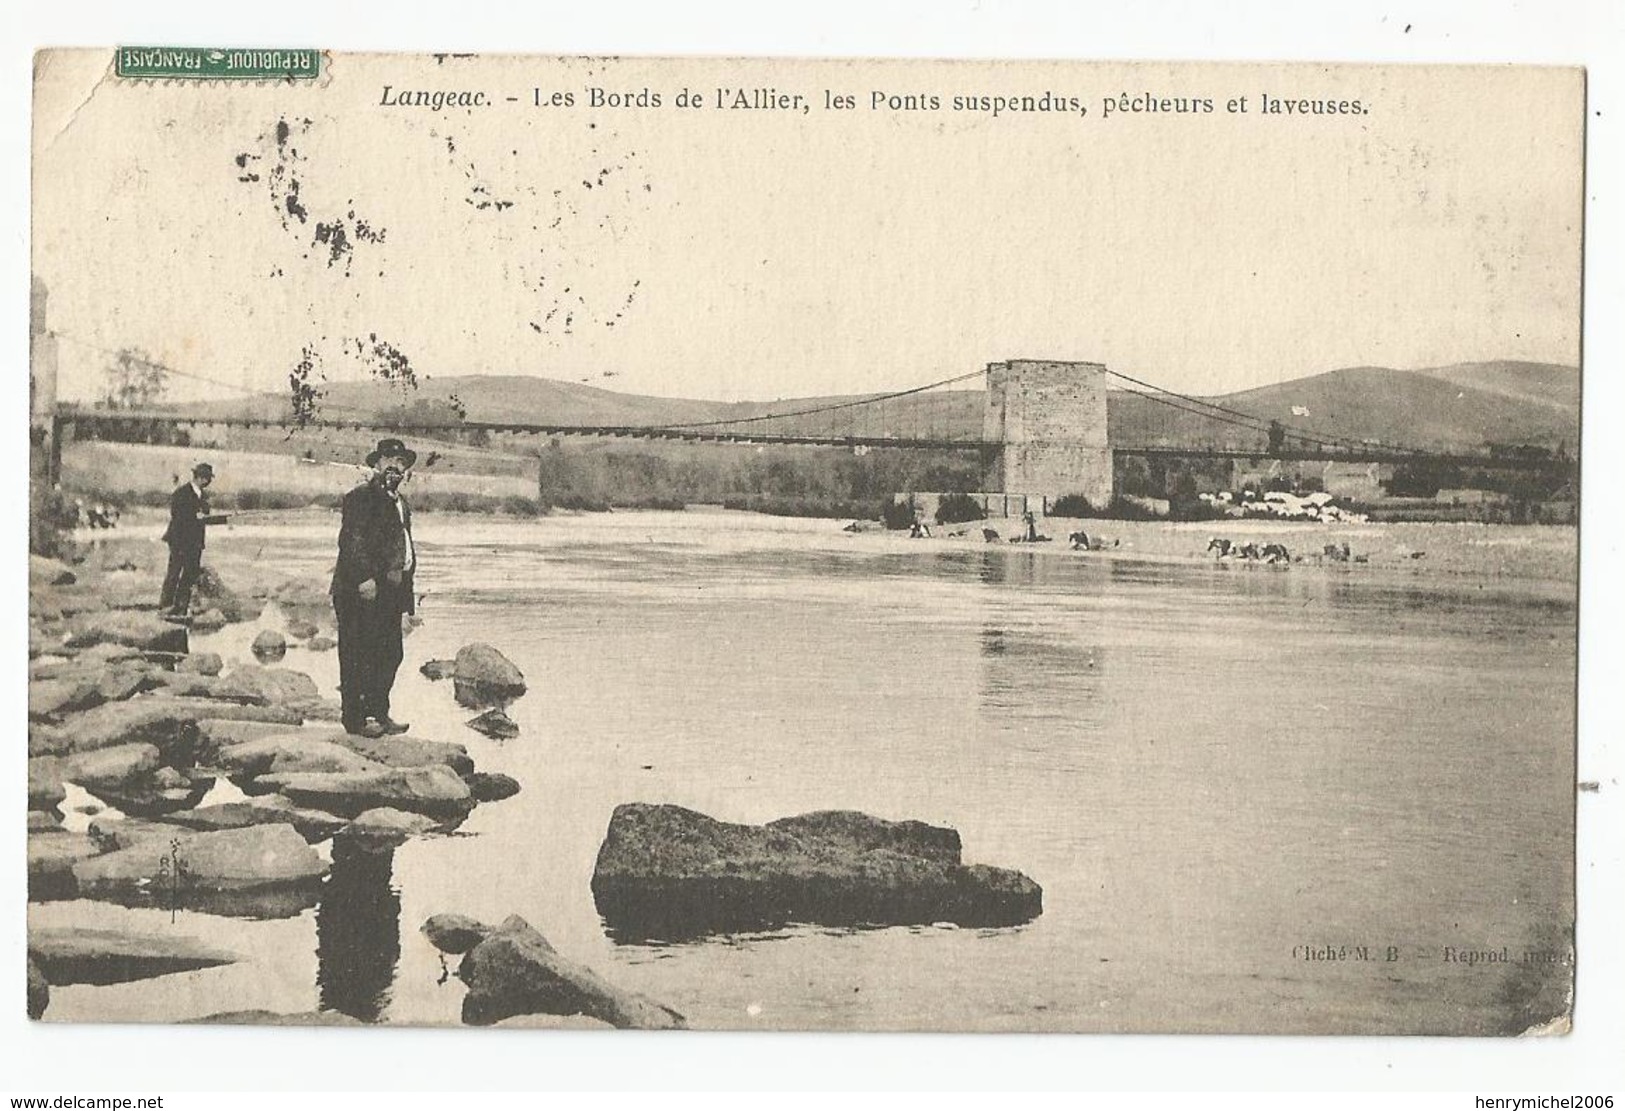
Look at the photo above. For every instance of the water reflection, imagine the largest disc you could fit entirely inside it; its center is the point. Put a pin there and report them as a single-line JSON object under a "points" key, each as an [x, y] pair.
{"points": [[358, 932]]}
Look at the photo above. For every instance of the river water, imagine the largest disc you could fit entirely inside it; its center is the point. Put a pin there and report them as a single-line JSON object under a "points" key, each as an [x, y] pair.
{"points": [[1224, 777]]}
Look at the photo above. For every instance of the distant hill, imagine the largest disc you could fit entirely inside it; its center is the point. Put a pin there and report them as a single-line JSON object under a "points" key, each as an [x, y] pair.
{"points": [[1463, 406]]}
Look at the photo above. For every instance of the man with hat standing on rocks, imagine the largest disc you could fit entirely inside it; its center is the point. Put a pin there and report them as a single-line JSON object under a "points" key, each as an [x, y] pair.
{"points": [[188, 518], [372, 589]]}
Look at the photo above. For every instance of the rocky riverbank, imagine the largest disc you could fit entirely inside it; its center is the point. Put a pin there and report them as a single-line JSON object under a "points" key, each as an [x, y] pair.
{"points": [[122, 712]]}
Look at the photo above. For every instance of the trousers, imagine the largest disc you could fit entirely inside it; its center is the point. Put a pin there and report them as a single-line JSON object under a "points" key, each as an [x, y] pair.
{"points": [[184, 564], [370, 652]]}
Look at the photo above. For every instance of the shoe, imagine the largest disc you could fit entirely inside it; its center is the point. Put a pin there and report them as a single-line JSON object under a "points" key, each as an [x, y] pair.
{"points": [[389, 725], [370, 729]]}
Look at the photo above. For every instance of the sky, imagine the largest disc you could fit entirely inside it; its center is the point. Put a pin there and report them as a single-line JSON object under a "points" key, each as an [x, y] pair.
{"points": [[765, 253]]}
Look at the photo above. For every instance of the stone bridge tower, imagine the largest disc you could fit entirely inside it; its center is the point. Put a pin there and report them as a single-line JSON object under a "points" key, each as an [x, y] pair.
{"points": [[1047, 421]]}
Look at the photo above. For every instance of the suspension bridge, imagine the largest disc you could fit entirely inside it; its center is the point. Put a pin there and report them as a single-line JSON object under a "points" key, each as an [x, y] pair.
{"points": [[1038, 427]]}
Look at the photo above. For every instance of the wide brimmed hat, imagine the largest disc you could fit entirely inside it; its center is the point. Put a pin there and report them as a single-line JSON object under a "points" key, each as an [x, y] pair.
{"points": [[391, 446]]}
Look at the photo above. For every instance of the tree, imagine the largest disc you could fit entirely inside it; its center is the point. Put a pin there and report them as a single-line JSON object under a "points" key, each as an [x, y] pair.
{"points": [[135, 381]]}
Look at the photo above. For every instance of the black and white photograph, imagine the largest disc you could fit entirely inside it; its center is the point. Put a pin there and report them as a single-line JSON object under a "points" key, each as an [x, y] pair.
{"points": [[728, 544]]}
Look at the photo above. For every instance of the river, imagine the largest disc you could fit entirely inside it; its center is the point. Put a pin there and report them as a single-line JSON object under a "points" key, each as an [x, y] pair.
{"points": [[1259, 799]]}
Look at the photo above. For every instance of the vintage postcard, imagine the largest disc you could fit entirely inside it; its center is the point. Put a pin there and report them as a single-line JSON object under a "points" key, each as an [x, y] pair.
{"points": [[732, 544]]}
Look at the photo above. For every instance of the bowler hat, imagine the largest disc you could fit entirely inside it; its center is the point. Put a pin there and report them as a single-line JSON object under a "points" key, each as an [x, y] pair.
{"points": [[203, 470], [391, 446]]}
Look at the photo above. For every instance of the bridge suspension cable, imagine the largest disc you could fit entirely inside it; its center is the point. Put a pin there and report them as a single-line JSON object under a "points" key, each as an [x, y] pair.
{"points": [[1258, 424], [875, 400]]}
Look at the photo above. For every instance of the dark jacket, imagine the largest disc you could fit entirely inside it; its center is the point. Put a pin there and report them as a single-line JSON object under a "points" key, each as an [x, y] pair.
{"points": [[188, 513], [372, 543]]}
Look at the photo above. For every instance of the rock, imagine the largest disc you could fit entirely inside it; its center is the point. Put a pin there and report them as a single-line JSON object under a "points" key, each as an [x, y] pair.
{"points": [[300, 629], [454, 933], [494, 723], [269, 646], [106, 768], [130, 628], [288, 752], [213, 734], [39, 991], [438, 669], [45, 791], [514, 971], [193, 684], [277, 686], [107, 654], [302, 594], [208, 621], [485, 677], [50, 699], [51, 857], [667, 872], [385, 827], [232, 862], [277, 1018], [312, 825], [212, 593], [434, 790], [81, 955], [49, 572], [407, 751], [164, 791], [321, 643], [119, 683], [43, 821], [169, 723], [66, 601], [201, 663], [491, 786]]}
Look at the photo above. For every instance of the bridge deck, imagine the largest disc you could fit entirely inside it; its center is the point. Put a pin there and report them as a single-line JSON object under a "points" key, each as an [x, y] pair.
{"points": [[721, 434]]}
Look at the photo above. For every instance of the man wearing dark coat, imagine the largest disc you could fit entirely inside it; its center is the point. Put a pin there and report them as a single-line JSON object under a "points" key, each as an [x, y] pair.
{"points": [[188, 517], [373, 588]]}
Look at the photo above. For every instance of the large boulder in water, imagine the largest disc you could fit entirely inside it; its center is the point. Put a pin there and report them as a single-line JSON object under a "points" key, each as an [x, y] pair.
{"points": [[667, 872], [483, 677], [512, 970]]}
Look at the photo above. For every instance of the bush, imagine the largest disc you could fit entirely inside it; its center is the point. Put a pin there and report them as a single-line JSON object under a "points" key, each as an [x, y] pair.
{"points": [[650, 502], [955, 509], [1072, 505], [1195, 510], [897, 514], [517, 505]]}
